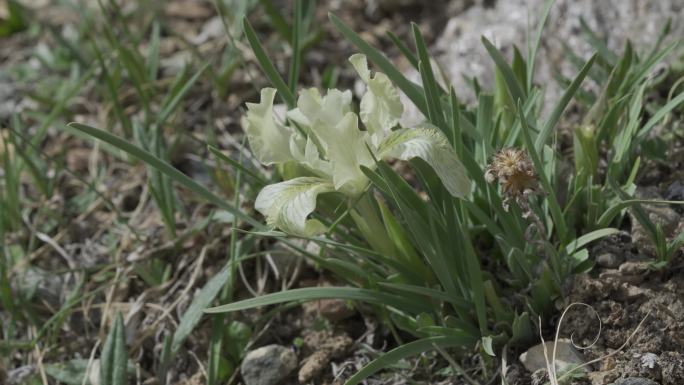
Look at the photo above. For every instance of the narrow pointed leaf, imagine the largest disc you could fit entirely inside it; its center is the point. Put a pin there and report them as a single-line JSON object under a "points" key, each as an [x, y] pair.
{"points": [[410, 349], [267, 66], [545, 132], [177, 95], [532, 54], [194, 313], [314, 293], [516, 91], [114, 355], [589, 237]]}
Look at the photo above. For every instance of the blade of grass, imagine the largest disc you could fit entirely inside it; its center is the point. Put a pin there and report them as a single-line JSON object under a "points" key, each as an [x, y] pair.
{"points": [[646, 67], [623, 142], [223, 157], [532, 50], [35, 165], [228, 290], [598, 44], [10, 194], [164, 360], [613, 211], [215, 347], [176, 95], [589, 237], [556, 212], [424, 57], [639, 213], [152, 65], [553, 119], [431, 88], [475, 281], [516, 91], [314, 293], [659, 115], [267, 66], [664, 31], [434, 114], [408, 350], [193, 314], [428, 293], [277, 20], [114, 356], [404, 49], [297, 33], [132, 63], [7, 298], [519, 68], [455, 123], [113, 94]]}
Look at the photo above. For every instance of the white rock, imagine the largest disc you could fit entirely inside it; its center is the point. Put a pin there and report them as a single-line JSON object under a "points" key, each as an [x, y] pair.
{"points": [[459, 51], [566, 356], [649, 360]]}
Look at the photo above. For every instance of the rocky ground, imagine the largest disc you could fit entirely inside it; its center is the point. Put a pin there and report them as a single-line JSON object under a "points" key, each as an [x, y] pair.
{"points": [[324, 342]]}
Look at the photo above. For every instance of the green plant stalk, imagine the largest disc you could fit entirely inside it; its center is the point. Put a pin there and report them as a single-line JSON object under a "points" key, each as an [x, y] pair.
{"points": [[366, 218], [403, 245]]}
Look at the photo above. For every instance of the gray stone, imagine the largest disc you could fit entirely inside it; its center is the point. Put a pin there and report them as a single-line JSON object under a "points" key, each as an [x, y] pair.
{"points": [[566, 356], [635, 381], [649, 360], [633, 292], [458, 51], [609, 260], [268, 365], [634, 267], [675, 191]]}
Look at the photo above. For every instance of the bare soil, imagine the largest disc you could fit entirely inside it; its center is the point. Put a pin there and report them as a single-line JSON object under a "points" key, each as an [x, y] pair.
{"points": [[622, 299]]}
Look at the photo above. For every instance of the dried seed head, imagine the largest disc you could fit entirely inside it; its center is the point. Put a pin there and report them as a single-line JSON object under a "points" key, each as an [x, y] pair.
{"points": [[514, 171]]}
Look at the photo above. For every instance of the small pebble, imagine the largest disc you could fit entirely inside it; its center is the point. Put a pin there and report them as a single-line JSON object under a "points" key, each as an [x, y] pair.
{"points": [[675, 191], [268, 365], [649, 360], [567, 356], [608, 260]]}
